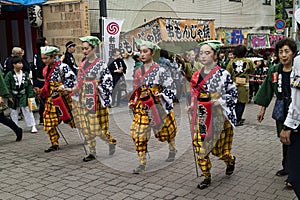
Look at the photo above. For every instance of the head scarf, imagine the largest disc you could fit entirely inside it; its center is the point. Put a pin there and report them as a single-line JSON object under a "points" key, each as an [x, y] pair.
{"points": [[148, 44], [214, 44], [92, 40], [49, 50]]}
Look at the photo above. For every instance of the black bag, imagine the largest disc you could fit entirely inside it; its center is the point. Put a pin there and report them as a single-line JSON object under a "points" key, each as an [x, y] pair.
{"points": [[279, 110]]}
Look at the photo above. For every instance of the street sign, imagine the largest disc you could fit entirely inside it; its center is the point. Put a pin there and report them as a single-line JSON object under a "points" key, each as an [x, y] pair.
{"points": [[280, 24]]}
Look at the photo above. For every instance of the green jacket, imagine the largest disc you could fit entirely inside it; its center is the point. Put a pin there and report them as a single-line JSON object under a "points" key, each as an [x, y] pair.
{"points": [[267, 89], [188, 69], [3, 89], [21, 93], [266, 92], [241, 68]]}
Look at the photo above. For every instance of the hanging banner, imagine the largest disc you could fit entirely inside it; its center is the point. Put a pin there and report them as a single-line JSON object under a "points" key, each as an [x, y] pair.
{"points": [[274, 39], [232, 36], [169, 30], [258, 41], [111, 35]]}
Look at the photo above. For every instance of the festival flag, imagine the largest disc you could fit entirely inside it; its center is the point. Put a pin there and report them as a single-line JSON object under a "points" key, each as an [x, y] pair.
{"points": [[111, 35]]}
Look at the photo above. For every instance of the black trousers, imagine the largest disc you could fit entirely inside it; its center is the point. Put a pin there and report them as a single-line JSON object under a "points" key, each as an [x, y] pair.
{"points": [[8, 122], [239, 109], [294, 161]]}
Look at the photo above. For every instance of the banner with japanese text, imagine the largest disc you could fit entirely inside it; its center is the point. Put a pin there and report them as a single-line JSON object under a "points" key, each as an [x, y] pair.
{"points": [[111, 36], [232, 36], [169, 30]]}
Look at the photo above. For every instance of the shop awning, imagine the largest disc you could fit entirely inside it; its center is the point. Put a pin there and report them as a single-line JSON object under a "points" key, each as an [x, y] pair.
{"points": [[23, 2]]}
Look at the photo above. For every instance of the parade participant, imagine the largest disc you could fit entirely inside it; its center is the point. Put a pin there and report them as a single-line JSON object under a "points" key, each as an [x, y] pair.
{"points": [[58, 76], [213, 98], [92, 97], [278, 82], [3, 119], [290, 135], [152, 105], [239, 69], [20, 89], [68, 57]]}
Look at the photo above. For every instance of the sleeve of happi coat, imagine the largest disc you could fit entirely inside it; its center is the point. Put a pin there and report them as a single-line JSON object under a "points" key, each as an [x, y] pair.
{"points": [[168, 88], [106, 86], [69, 78]]}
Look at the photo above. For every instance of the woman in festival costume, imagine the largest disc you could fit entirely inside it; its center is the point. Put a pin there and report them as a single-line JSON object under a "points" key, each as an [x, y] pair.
{"points": [[92, 97], [213, 99], [278, 82], [58, 77], [152, 105]]}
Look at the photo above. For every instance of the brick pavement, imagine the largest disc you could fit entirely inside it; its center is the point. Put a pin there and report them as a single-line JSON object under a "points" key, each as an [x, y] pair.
{"points": [[26, 172]]}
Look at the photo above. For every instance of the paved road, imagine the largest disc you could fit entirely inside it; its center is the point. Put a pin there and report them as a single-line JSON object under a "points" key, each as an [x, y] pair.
{"points": [[26, 172]]}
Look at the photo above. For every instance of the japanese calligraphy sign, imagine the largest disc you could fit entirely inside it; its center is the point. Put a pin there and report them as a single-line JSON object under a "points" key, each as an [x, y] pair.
{"points": [[90, 94], [111, 34], [232, 36], [169, 29]]}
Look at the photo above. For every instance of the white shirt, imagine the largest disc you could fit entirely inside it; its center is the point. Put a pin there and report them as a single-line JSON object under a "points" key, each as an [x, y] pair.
{"points": [[293, 117]]}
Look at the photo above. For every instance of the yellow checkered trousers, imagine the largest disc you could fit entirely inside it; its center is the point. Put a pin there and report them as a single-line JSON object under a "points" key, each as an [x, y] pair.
{"points": [[221, 148], [51, 117], [140, 131], [92, 124]]}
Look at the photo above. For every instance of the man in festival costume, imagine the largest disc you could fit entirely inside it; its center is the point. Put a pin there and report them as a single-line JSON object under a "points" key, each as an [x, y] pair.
{"points": [[239, 69], [213, 99], [92, 97], [152, 105], [290, 135], [58, 77]]}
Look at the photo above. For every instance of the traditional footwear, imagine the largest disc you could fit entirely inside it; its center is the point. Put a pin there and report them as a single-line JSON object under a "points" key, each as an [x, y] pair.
{"points": [[90, 157], [19, 134], [52, 148], [141, 168], [171, 157], [281, 172], [288, 185], [112, 149], [230, 167], [204, 184], [240, 123], [33, 129]]}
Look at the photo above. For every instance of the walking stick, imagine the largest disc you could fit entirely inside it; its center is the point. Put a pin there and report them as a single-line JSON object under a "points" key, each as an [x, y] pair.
{"points": [[57, 128], [60, 132], [82, 140], [195, 158]]}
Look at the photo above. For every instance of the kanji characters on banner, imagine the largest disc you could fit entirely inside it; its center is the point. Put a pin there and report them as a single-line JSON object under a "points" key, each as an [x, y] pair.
{"points": [[111, 33]]}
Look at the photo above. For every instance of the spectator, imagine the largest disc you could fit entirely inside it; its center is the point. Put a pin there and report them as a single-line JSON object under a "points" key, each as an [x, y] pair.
{"points": [[68, 57], [117, 68], [38, 78], [16, 52]]}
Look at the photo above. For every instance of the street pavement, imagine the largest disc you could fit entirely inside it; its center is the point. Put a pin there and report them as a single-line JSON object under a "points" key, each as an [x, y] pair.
{"points": [[26, 172]]}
